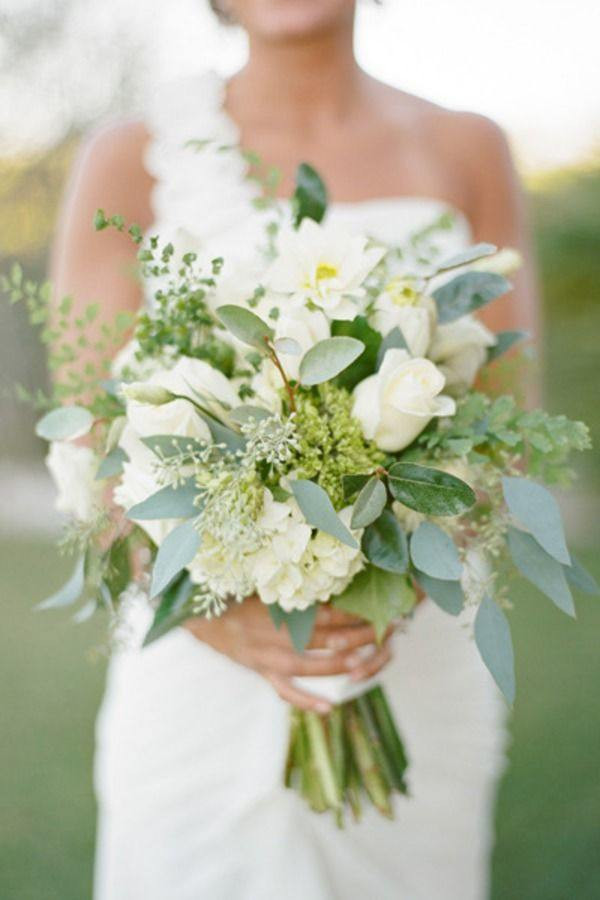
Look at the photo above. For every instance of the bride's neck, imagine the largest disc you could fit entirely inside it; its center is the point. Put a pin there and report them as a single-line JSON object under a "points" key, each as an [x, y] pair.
{"points": [[307, 80]]}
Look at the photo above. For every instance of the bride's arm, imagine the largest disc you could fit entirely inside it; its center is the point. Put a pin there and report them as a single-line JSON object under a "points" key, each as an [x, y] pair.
{"points": [[109, 174]]}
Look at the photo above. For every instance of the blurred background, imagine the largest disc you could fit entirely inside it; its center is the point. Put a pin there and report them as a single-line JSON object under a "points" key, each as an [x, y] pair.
{"points": [[69, 65]]}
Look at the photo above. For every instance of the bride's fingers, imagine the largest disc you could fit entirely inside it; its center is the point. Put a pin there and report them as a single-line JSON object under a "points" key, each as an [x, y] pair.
{"points": [[288, 663], [328, 616], [295, 696], [346, 638], [372, 664]]}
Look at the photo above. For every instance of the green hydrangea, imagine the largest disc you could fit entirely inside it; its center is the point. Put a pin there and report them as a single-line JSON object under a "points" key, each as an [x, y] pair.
{"points": [[331, 442]]}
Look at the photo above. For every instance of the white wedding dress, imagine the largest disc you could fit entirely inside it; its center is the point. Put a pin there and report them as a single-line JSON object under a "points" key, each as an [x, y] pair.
{"points": [[191, 745]]}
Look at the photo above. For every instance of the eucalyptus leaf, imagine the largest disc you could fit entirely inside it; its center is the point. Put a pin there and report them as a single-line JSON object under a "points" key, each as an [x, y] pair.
{"points": [[318, 511], [168, 503], [299, 623], [378, 597], [70, 592], [328, 358], [429, 490], [171, 609], [504, 341], [394, 340], [448, 595], [174, 554], [469, 255], [466, 293], [167, 445], [434, 553], [85, 612], [384, 544], [540, 569], [536, 509], [494, 642], [288, 346], [366, 363], [64, 423], [351, 484], [247, 413], [246, 326], [221, 434], [580, 578], [112, 464], [309, 200], [369, 503]]}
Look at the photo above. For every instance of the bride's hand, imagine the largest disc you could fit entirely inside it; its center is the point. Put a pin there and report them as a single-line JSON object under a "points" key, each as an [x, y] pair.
{"points": [[246, 634]]}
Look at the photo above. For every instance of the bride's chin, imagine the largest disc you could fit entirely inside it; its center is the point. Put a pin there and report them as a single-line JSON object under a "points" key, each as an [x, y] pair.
{"points": [[292, 19]]}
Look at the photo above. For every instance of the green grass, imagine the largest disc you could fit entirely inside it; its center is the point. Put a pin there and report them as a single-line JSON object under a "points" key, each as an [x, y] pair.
{"points": [[549, 805]]}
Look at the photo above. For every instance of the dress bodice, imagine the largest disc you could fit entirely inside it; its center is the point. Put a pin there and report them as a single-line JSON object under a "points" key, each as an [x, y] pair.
{"points": [[204, 201]]}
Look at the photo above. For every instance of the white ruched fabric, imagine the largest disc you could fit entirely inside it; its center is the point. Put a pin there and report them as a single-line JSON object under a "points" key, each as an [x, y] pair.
{"points": [[190, 745]]}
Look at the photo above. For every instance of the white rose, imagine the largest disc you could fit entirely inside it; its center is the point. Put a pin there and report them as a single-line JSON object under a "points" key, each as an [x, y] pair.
{"points": [[459, 348], [73, 470], [395, 404], [401, 305]]}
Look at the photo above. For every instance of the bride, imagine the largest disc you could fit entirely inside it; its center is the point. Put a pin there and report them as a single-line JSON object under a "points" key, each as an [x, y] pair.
{"points": [[192, 732]]}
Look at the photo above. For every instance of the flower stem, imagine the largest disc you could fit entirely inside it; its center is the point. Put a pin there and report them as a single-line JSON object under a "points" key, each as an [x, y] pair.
{"points": [[390, 739], [371, 776], [317, 739], [288, 387]]}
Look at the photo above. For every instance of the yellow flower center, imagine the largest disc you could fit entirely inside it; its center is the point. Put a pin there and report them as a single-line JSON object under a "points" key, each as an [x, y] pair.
{"points": [[401, 291], [325, 271]]}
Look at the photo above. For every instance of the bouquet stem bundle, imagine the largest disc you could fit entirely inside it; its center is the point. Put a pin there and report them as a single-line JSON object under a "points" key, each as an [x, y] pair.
{"points": [[354, 751]]}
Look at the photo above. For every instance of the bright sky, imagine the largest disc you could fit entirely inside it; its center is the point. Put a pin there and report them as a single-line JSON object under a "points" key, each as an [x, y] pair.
{"points": [[533, 65]]}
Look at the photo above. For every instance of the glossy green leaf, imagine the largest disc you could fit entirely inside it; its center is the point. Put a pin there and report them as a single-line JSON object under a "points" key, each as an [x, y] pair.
{"points": [[540, 569], [494, 642], [369, 504], [174, 554], [536, 509], [246, 326], [448, 595], [384, 544], [70, 592], [171, 610], [168, 503], [366, 363], [429, 491], [112, 464], [468, 292], [64, 423], [318, 511], [309, 200], [377, 596], [328, 358], [434, 553], [352, 484]]}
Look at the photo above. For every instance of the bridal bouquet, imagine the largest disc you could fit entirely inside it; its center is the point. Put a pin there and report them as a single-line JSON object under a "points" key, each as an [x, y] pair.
{"points": [[318, 441]]}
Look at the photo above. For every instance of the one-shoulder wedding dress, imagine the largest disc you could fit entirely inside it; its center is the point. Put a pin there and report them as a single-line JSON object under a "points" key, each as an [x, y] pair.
{"points": [[190, 745]]}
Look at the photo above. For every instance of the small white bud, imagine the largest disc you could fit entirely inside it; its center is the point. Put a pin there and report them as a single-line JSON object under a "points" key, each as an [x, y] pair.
{"points": [[152, 394]]}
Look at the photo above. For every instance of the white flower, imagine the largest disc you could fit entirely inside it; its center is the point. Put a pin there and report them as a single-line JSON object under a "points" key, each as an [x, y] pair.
{"points": [[307, 328], [459, 348], [325, 265], [402, 305], [502, 263], [73, 469], [181, 417], [395, 404]]}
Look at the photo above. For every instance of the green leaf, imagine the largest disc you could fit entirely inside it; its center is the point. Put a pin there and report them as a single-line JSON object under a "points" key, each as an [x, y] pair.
{"points": [[64, 423], [168, 503], [536, 509], [351, 484], [504, 341], [384, 544], [70, 592], [433, 552], [494, 642], [221, 434], [378, 597], [246, 413], [246, 326], [328, 358], [309, 200], [469, 255], [540, 569], [366, 364], [171, 609], [369, 503], [394, 340], [448, 595], [287, 345], [112, 464], [429, 491], [174, 554], [580, 578], [318, 511], [468, 292], [299, 623], [119, 567], [167, 445]]}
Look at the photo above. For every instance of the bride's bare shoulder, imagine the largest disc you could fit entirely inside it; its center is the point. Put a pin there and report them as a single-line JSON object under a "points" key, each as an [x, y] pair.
{"points": [[109, 171]]}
